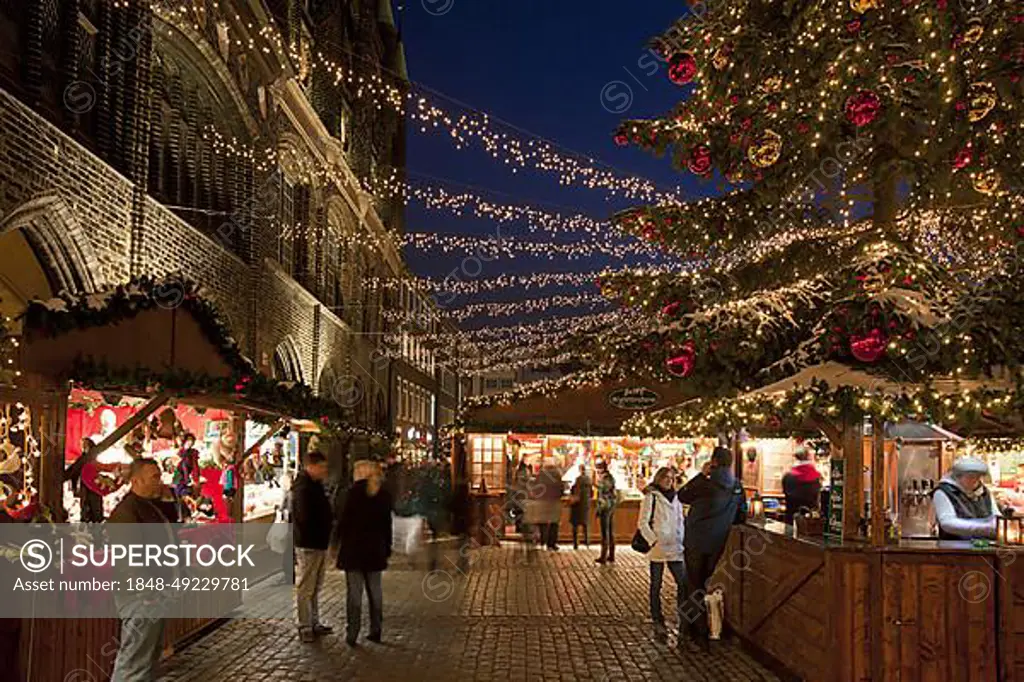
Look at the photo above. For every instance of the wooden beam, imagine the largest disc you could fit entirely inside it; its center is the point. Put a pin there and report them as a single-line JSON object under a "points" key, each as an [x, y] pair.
{"points": [[155, 403], [878, 482], [277, 426], [853, 489]]}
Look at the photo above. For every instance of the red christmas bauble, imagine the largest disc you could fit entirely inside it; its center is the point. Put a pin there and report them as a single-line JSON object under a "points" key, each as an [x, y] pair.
{"points": [[963, 158], [863, 108], [682, 67], [869, 347], [672, 309], [700, 160], [621, 139], [681, 364]]}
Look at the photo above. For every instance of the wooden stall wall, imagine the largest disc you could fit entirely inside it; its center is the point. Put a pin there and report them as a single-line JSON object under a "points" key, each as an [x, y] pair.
{"points": [[59, 649], [938, 617], [1011, 617]]}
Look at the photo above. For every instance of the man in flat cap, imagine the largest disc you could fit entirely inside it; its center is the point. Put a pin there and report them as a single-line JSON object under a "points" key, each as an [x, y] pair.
{"points": [[964, 507]]}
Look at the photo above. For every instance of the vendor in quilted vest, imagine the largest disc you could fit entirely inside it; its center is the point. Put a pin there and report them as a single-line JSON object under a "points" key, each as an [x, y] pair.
{"points": [[964, 507]]}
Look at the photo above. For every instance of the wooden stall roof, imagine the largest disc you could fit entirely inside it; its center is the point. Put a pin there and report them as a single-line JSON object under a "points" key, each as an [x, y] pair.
{"points": [[160, 340], [586, 409]]}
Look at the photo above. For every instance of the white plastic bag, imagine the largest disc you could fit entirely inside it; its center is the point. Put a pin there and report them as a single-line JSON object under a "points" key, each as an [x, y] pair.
{"points": [[277, 536], [716, 613], [407, 534]]}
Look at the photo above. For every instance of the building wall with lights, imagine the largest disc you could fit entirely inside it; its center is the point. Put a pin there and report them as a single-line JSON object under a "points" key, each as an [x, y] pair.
{"points": [[207, 139]]}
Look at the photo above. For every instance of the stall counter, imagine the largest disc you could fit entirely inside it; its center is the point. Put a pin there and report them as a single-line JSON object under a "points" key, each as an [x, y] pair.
{"points": [[921, 609]]}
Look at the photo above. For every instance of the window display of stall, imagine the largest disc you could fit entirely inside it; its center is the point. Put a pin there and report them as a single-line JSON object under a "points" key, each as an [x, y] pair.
{"points": [[268, 471], [195, 448], [494, 458], [1005, 458]]}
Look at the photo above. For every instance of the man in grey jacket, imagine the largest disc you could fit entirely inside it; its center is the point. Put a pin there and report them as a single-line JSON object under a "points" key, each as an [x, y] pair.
{"points": [[964, 507]]}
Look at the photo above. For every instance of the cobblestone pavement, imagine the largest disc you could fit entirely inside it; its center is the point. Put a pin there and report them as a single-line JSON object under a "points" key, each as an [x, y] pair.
{"points": [[558, 616]]}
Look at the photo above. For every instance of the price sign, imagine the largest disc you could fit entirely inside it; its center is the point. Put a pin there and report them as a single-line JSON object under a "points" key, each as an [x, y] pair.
{"points": [[834, 516]]}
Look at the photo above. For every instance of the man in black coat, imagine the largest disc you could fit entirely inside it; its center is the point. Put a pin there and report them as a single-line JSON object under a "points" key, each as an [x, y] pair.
{"points": [[365, 535], [311, 524], [715, 498]]}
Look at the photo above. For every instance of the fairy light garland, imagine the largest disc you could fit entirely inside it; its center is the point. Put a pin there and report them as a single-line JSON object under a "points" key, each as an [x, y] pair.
{"points": [[470, 128]]}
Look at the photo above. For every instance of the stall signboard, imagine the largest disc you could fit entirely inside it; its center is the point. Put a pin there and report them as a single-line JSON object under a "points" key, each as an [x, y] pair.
{"points": [[834, 517], [637, 398]]}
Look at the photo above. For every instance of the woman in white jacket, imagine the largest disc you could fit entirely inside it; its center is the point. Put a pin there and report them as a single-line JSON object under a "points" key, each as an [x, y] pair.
{"points": [[661, 523]]}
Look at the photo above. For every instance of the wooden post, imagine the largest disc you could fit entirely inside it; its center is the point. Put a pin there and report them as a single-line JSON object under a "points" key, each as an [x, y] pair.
{"points": [[238, 503], [878, 482], [51, 457], [853, 454]]}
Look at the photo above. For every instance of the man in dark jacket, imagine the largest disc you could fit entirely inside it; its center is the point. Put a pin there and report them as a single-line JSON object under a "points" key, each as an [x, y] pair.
{"points": [[715, 499], [365, 536], [311, 525], [802, 485], [142, 630]]}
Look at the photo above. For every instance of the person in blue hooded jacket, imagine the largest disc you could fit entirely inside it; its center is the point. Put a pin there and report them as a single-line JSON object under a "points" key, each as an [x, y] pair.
{"points": [[716, 503]]}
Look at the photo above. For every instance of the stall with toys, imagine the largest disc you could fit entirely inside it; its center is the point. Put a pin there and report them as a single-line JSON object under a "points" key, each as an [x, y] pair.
{"points": [[120, 374]]}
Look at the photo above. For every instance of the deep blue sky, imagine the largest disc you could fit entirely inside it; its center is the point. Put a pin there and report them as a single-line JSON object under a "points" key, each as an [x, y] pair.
{"points": [[540, 65]]}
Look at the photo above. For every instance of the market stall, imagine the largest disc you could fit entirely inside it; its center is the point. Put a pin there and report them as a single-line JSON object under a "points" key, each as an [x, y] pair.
{"points": [[869, 593], [223, 433]]}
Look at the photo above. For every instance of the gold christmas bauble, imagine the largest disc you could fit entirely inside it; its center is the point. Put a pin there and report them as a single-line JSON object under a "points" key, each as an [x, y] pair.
{"points": [[987, 182], [771, 84], [975, 29], [981, 98], [862, 6], [766, 149], [720, 59]]}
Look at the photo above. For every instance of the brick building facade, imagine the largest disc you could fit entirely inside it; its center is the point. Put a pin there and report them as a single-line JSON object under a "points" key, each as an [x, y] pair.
{"points": [[207, 138]]}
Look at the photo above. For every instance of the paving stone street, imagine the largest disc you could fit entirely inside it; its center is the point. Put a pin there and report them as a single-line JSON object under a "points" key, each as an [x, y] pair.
{"points": [[558, 616]]}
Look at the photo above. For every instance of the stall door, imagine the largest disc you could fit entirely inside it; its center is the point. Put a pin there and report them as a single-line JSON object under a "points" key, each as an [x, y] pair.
{"points": [[938, 618]]}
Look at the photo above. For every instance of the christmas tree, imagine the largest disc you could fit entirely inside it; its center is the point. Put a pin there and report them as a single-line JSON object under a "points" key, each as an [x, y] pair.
{"points": [[867, 156]]}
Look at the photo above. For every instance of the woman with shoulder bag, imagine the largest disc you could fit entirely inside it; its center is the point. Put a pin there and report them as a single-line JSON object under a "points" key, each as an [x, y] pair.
{"points": [[660, 528]]}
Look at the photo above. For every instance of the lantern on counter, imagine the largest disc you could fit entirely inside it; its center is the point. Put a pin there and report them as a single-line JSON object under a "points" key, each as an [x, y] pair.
{"points": [[757, 507], [1010, 529]]}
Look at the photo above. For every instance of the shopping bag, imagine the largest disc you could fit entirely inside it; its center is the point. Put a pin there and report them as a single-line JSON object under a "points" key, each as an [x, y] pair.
{"points": [[407, 534], [716, 613], [277, 537]]}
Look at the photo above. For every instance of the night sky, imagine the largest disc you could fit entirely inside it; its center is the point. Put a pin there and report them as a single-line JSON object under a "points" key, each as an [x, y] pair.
{"points": [[541, 66]]}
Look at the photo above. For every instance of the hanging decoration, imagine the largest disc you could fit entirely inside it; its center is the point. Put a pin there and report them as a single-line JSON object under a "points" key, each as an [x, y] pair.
{"points": [[720, 59], [863, 108], [700, 160], [870, 347], [986, 182], [681, 363], [766, 149], [862, 6], [682, 68], [982, 100]]}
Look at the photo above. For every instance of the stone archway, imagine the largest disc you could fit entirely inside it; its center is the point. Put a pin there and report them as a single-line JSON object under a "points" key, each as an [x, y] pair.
{"points": [[287, 361], [43, 252]]}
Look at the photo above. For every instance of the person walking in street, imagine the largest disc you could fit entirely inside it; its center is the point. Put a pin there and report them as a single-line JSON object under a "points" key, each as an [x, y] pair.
{"points": [[550, 482], [801, 485], [606, 500], [365, 534], [460, 504], [662, 525], [142, 634], [579, 512], [716, 503], [311, 523]]}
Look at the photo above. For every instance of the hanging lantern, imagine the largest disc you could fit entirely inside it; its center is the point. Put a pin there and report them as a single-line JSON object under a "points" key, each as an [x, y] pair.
{"points": [[766, 149], [981, 99], [757, 507], [1010, 530], [720, 59]]}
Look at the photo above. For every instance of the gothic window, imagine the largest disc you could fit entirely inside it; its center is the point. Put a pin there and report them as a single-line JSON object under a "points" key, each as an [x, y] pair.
{"points": [[286, 236]]}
